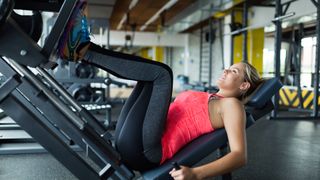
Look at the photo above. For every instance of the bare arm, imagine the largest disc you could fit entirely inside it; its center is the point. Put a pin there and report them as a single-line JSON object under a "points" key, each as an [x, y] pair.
{"points": [[233, 115]]}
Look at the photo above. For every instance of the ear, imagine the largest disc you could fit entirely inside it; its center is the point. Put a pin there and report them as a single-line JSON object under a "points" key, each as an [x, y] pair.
{"points": [[245, 86]]}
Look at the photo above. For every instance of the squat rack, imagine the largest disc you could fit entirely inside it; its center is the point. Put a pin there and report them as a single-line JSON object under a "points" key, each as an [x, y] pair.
{"points": [[278, 37]]}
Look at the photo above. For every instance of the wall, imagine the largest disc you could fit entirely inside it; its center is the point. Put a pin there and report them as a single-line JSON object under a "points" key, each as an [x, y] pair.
{"points": [[178, 63], [187, 62]]}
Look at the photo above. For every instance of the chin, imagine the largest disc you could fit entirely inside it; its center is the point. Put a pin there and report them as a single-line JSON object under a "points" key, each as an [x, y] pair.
{"points": [[218, 84]]}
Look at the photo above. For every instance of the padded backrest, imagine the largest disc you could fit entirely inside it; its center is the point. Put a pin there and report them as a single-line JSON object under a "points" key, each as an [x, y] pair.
{"points": [[259, 102], [264, 92]]}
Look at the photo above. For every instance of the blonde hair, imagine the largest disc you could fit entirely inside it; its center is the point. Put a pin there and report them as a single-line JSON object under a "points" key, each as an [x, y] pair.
{"points": [[251, 76]]}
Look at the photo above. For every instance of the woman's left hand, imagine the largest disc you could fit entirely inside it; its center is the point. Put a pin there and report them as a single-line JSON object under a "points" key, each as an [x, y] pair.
{"points": [[185, 173]]}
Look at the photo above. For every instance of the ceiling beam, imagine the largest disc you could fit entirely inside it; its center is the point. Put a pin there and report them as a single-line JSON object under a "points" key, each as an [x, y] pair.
{"points": [[189, 10], [167, 6], [132, 4], [118, 38]]}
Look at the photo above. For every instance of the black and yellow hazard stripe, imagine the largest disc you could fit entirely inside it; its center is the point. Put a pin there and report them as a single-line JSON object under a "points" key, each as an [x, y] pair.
{"points": [[289, 97]]}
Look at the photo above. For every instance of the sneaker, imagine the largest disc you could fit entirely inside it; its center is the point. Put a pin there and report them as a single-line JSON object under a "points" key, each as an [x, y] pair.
{"points": [[75, 40]]}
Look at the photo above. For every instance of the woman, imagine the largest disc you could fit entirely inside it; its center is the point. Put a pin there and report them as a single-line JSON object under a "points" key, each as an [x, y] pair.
{"points": [[227, 111], [150, 130]]}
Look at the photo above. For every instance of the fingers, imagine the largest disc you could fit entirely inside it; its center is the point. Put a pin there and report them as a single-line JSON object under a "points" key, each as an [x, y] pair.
{"points": [[177, 174]]}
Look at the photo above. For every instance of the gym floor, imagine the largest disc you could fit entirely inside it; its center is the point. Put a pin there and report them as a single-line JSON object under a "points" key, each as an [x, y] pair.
{"points": [[277, 150]]}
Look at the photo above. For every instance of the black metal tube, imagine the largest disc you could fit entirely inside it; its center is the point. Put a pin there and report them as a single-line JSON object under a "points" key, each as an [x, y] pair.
{"points": [[171, 56], [288, 2], [61, 90], [15, 106], [210, 50], [221, 42], [108, 93], [316, 83], [245, 33], [57, 102], [314, 2], [298, 57], [108, 34], [277, 49], [200, 63], [57, 29], [286, 7], [294, 118], [88, 117], [222, 151], [232, 40]]}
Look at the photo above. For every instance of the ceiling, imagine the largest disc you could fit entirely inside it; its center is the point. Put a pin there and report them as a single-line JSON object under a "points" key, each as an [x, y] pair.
{"points": [[159, 15], [134, 14], [143, 11], [146, 15]]}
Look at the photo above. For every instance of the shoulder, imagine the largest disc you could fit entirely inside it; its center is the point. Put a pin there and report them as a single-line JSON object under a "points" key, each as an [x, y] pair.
{"points": [[231, 101], [231, 104], [232, 110]]}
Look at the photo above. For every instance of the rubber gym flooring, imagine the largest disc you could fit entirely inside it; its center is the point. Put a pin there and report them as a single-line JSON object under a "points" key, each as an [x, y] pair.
{"points": [[277, 150]]}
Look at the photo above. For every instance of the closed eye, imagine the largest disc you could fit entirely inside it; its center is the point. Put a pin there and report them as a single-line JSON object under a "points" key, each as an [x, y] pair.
{"points": [[234, 71]]}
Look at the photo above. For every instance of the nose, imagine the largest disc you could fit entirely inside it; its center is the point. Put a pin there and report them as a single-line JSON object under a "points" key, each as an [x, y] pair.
{"points": [[225, 71]]}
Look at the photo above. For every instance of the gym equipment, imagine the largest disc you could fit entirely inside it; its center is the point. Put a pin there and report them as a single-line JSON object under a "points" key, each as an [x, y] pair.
{"points": [[189, 155], [197, 86], [5, 11], [277, 45], [258, 106], [43, 108], [32, 25], [81, 92], [176, 165], [85, 71], [78, 78], [2, 79]]}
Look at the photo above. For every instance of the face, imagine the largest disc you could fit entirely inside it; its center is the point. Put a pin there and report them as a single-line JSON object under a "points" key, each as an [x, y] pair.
{"points": [[232, 78]]}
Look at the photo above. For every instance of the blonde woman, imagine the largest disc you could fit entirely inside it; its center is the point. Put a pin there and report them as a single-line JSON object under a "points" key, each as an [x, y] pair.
{"points": [[151, 129]]}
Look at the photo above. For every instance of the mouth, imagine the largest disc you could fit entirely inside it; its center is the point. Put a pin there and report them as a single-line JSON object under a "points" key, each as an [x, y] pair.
{"points": [[221, 78]]}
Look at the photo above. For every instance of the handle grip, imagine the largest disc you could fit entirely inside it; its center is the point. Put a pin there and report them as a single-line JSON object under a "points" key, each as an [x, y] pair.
{"points": [[176, 165]]}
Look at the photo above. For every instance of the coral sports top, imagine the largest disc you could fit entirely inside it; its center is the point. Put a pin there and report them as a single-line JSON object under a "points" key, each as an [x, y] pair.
{"points": [[188, 117]]}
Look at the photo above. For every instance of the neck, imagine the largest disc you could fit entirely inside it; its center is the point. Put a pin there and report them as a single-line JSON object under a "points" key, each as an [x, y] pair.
{"points": [[226, 93]]}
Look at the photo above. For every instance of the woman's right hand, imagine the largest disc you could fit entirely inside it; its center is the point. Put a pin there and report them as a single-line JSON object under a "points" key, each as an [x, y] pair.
{"points": [[185, 173]]}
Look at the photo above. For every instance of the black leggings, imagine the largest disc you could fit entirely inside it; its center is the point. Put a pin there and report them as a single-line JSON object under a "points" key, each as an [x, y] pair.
{"points": [[141, 122]]}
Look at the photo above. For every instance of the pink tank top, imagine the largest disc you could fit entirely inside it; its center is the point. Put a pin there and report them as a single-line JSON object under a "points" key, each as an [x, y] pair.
{"points": [[188, 117]]}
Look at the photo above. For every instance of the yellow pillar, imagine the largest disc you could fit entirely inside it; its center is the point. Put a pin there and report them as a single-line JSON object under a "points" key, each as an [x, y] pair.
{"points": [[145, 53], [158, 53], [237, 40], [155, 53], [255, 43], [255, 48]]}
